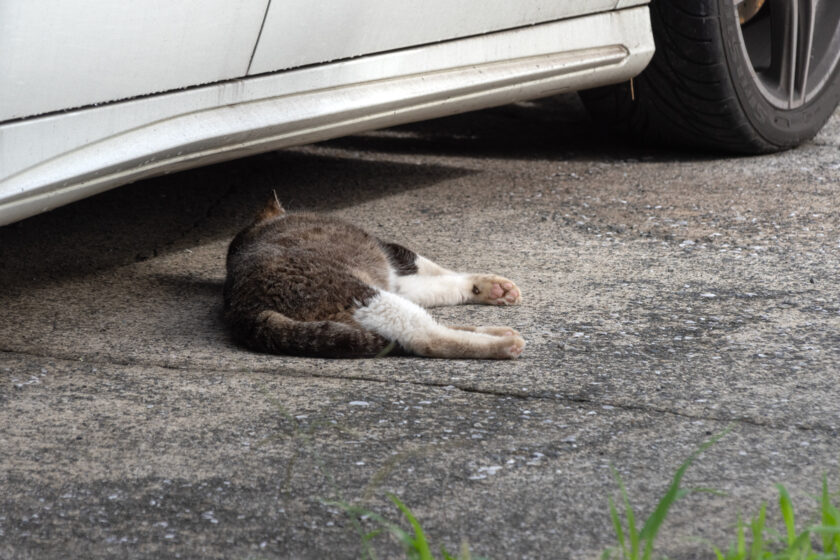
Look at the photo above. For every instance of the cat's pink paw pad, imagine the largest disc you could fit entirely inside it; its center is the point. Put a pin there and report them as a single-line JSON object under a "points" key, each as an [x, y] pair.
{"points": [[495, 290]]}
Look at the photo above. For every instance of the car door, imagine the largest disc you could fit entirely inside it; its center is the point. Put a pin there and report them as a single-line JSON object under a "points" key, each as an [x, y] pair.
{"points": [[62, 55], [301, 32]]}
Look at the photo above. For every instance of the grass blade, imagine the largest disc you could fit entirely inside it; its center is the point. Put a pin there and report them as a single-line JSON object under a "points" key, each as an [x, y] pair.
{"points": [[830, 520], [619, 532], [419, 541], [802, 544], [825, 503], [757, 527], [732, 553], [465, 550], [787, 513], [357, 512], [372, 534], [654, 522], [741, 547], [632, 534]]}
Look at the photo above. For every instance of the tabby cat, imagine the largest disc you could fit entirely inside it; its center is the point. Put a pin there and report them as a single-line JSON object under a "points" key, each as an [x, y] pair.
{"points": [[313, 285]]}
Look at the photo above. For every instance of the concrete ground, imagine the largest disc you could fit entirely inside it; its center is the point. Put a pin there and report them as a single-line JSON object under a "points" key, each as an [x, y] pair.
{"points": [[666, 296]]}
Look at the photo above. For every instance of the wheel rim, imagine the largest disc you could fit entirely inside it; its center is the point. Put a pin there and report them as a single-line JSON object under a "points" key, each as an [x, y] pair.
{"points": [[793, 48]]}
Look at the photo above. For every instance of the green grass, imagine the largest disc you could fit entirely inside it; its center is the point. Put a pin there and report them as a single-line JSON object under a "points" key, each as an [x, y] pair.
{"points": [[635, 544], [636, 541], [793, 545], [819, 540], [415, 543], [764, 543]]}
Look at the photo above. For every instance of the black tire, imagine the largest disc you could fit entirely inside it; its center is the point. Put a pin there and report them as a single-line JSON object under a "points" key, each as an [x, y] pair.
{"points": [[704, 88]]}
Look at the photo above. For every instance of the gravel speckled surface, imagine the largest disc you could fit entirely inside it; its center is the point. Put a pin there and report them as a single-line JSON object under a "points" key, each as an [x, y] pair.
{"points": [[666, 296]]}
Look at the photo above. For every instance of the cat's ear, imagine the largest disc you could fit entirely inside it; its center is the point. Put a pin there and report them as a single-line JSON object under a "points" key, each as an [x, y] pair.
{"points": [[271, 210]]}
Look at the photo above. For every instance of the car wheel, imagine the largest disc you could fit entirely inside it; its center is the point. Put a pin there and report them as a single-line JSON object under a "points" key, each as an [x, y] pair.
{"points": [[747, 76]]}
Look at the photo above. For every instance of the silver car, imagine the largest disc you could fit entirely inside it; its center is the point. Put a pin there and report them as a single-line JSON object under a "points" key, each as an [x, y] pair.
{"points": [[99, 93]]}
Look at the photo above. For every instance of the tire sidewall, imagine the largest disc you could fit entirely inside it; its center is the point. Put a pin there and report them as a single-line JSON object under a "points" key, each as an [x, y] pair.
{"points": [[779, 127]]}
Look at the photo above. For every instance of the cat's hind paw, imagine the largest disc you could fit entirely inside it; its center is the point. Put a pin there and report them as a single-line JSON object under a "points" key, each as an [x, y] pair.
{"points": [[511, 347], [501, 343], [495, 290]]}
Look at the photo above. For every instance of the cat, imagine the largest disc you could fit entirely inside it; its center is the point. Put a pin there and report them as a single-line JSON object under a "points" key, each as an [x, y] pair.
{"points": [[313, 285]]}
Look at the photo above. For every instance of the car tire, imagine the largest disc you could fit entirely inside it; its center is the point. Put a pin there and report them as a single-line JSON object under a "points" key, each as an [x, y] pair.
{"points": [[717, 84]]}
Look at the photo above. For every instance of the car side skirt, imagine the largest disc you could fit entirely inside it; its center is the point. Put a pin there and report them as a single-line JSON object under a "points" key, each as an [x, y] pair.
{"points": [[52, 160]]}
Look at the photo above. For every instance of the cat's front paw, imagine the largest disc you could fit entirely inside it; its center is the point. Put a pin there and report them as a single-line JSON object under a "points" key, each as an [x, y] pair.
{"points": [[494, 290]]}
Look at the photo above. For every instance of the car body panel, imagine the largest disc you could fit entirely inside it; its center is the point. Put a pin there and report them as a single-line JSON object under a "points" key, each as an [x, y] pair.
{"points": [[54, 159], [61, 55], [301, 32]]}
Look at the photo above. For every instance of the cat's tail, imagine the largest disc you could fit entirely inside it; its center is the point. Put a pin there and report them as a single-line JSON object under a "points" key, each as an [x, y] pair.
{"points": [[275, 333]]}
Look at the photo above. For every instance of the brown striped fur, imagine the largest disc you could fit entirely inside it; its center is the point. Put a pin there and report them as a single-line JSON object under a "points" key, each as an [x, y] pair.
{"points": [[293, 282]]}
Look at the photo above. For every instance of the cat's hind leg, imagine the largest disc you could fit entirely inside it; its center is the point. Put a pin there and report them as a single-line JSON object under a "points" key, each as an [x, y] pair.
{"points": [[396, 318], [430, 285]]}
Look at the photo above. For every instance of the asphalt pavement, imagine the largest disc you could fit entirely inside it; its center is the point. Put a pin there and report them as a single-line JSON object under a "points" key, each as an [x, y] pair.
{"points": [[667, 296]]}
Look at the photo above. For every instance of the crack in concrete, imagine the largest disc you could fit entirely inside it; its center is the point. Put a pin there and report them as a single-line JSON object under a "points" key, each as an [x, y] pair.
{"points": [[556, 397]]}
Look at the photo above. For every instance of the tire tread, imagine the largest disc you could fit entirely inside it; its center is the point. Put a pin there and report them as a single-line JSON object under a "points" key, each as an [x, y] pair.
{"points": [[685, 97]]}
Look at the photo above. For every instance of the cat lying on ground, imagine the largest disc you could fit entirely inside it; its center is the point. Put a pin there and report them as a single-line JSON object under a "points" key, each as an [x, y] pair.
{"points": [[312, 285]]}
